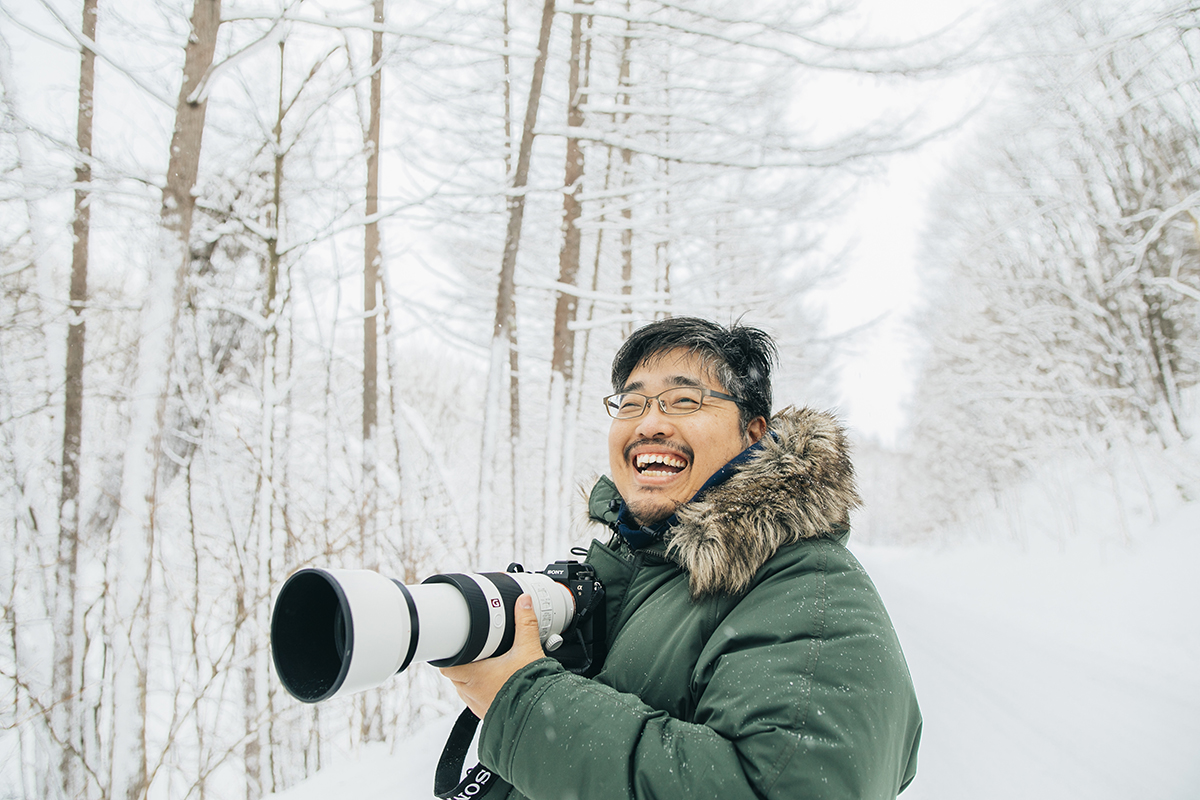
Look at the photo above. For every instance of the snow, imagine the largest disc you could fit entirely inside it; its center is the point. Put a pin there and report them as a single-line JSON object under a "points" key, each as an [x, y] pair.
{"points": [[1053, 672], [403, 771], [1046, 670], [379, 772]]}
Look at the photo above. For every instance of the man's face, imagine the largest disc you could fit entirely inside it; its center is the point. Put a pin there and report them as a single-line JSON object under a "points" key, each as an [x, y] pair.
{"points": [[660, 461]]}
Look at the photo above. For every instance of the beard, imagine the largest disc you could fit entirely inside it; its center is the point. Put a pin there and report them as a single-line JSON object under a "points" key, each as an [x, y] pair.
{"points": [[650, 510]]}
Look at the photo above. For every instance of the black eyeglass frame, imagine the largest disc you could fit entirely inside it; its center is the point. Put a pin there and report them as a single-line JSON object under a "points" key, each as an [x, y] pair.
{"points": [[662, 406]]}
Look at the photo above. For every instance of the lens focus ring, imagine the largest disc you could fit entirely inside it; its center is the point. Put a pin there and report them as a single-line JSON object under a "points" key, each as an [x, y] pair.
{"points": [[490, 600]]}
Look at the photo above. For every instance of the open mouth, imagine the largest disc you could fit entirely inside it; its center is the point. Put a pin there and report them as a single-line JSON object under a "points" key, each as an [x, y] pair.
{"points": [[658, 464]]}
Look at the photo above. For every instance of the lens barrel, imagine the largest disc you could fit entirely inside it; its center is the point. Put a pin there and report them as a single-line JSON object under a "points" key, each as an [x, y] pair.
{"points": [[335, 632]]}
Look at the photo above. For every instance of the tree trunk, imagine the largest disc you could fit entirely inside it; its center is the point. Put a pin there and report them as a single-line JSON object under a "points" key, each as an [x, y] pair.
{"points": [[261, 546], [626, 168], [516, 486], [371, 723], [65, 684], [662, 247], [504, 321], [559, 466], [371, 254], [129, 562]]}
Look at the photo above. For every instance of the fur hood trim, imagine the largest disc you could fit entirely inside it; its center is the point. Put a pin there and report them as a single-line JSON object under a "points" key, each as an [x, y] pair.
{"points": [[800, 485]]}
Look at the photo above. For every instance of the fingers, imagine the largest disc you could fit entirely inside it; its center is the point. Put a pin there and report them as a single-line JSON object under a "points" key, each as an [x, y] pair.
{"points": [[523, 616], [525, 609], [527, 642]]}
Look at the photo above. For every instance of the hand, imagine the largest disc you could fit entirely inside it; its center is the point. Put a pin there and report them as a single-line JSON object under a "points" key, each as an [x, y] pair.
{"points": [[478, 683]]}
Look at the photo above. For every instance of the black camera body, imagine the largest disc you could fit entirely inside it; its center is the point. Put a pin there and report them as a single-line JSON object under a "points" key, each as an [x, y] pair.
{"points": [[580, 647]]}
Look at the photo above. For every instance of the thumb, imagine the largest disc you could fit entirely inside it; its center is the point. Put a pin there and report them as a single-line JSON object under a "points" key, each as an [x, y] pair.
{"points": [[526, 624]]}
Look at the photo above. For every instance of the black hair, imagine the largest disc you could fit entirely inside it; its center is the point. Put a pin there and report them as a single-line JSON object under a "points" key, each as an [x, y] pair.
{"points": [[739, 356]]}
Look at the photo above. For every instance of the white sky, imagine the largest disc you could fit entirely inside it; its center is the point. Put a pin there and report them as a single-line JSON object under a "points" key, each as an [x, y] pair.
{"points": [[882, 280], [881, 284]]}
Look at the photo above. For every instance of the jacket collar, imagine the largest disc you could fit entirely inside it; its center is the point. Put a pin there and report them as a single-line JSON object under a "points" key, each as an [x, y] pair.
{"points": [[796, 483]]}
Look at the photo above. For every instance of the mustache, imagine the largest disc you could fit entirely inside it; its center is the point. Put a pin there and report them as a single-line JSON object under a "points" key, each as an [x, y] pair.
{"points": [[678, 447]]}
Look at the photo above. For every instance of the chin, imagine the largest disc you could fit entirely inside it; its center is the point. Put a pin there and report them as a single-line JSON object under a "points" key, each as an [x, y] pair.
{"points": [[648, 512]]}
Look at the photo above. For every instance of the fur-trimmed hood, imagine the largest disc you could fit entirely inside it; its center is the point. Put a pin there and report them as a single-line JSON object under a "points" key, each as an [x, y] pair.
{"points": [[798, 485]]}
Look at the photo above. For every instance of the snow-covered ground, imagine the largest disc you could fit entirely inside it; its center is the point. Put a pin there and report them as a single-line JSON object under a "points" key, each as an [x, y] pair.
{"points": [[1069, 672], [1046, 671]]}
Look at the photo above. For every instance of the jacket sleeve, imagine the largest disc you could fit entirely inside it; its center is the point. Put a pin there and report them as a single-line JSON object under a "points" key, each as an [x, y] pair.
{"points": [[802, 692]]}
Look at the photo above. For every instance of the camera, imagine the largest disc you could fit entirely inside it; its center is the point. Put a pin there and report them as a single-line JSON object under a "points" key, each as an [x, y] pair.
{"points": [[339, 631]]}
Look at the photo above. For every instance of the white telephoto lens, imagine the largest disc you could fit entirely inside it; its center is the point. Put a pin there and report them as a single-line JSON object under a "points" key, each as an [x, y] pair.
{"points": [[339, 631]]}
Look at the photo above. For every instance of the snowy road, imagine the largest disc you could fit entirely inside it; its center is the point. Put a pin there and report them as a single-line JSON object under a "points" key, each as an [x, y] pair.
{"points": [[1052, 675]]}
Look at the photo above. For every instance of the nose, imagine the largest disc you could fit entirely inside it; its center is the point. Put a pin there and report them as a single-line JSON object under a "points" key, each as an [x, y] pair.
{"points": [[654, 423]]}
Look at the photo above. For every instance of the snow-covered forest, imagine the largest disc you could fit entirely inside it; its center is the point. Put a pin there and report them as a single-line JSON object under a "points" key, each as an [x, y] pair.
{"points": [[337, 282]]}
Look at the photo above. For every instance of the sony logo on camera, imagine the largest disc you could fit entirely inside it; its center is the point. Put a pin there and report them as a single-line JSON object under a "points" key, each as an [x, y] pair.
{"points": [[568, 572]]}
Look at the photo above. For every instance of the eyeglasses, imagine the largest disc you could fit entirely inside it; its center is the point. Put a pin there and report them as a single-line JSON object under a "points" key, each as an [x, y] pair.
{"points": [[674, 402]]}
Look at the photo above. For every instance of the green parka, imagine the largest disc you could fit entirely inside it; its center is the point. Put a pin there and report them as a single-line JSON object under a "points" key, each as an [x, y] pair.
{"points": [[749, 655]]}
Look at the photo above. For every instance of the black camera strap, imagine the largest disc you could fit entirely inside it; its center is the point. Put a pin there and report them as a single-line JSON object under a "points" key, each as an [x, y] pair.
{"points": [[449, 783]]}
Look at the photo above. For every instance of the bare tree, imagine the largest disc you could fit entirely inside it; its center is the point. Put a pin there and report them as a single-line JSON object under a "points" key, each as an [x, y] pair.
{"points": [[506, 288], [372, 258], [372, 719], [624, 71], [562, 361], [65, 681], [130, 560]]}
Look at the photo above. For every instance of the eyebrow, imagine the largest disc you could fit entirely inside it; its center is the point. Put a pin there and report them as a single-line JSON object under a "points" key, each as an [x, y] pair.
{"points": [[672, 381]]}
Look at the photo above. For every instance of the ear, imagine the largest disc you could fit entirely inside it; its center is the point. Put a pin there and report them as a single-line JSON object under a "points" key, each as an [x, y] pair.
{"points": [[756, 429]]}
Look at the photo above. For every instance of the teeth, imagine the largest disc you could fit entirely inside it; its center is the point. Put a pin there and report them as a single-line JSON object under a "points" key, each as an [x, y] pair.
{"points": [[644, 460]]}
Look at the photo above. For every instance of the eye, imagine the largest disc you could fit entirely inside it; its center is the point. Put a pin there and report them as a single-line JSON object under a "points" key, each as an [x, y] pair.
{"points": [[626, 403], [685, 401]]}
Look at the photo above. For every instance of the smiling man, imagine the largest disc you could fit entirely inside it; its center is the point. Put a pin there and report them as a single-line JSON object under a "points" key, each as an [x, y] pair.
{"points": [[748, 654]]}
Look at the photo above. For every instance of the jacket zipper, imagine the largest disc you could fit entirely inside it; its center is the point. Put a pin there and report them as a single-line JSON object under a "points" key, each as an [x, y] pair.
{"points": [[635, 561]]}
